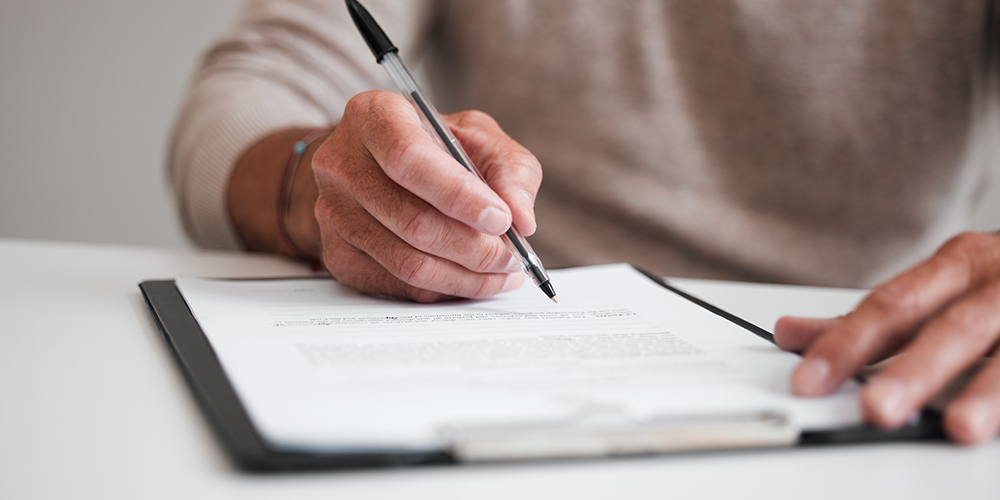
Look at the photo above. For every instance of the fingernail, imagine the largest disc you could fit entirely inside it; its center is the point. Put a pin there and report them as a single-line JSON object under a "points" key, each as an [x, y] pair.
{"points": [[529, 201], [977, 418], [529, 206], [492, 220], [888, 398], [810, 377]]}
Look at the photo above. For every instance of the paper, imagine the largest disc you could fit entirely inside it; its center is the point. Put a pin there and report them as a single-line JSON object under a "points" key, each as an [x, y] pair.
{"points": [[323, 368]]}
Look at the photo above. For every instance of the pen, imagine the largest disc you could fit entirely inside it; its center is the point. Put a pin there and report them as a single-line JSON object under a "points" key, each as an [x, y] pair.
{"points": [[387, 55]]}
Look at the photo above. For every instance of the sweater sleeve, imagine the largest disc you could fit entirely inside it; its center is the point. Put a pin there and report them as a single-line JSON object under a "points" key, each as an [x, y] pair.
{"points": [[285, 63]]}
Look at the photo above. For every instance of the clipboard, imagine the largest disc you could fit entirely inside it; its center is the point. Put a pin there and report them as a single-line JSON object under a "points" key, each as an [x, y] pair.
{"points": [[248, 449]]}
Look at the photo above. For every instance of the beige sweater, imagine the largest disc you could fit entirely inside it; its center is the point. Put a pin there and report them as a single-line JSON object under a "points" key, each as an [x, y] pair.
{"points": [[797, 141]]}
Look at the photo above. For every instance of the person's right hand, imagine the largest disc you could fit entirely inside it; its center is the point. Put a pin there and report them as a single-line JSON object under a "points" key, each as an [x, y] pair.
{"points": [[399, 216]]}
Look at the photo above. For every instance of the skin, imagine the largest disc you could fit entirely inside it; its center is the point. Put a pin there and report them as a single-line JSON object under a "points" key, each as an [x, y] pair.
{"points": [[937, 320], [388, 212]]}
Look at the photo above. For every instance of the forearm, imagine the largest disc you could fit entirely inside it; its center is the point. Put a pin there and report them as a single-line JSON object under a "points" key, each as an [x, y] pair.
{"points": [[283, 64], [255, 189]]}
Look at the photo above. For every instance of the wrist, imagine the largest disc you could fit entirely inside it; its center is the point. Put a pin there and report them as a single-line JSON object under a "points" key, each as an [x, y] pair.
{"points": [[300, 219], [263, 188]]}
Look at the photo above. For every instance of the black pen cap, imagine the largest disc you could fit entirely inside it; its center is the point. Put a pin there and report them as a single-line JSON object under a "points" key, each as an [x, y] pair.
{"points": [[370, 30]]}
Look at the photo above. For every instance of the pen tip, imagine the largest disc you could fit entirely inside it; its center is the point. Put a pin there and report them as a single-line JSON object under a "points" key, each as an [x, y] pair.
{"points": [[550, 292]]}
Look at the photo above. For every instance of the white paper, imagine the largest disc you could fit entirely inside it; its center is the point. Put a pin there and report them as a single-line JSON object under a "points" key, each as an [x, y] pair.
{"points": [[320, 367]]}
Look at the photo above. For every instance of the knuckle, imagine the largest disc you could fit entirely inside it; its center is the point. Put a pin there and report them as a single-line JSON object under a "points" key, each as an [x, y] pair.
{"points": [[414, 268], [332, 211], [340, 162], [323, 210], [464, 196], [360, 108], [963, 322], [487, 287], [967, 246], [895, 299], [891, 295], [494, 258], [356, 106], [524, 164], [852, 347], [973, 321], [332, 169], [466, 193], [957, 260], [355, 229], [522, 160], [346, 264], [372, 113], [421, 230], [401, 158], [978, 252], [472, 119], [366, 102], [969, 240]]}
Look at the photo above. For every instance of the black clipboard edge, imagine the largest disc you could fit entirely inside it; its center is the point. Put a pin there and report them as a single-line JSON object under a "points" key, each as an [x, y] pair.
{"points": [[754, 329], [928, 427], [221, 405]]}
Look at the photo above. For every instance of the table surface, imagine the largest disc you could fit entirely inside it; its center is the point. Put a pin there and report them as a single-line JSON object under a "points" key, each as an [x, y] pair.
{"points": [[93, 405]]}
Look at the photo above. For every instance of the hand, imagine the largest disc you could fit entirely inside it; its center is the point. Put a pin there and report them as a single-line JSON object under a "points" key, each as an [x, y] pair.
{"points": [[941, 317], [399, 216]]}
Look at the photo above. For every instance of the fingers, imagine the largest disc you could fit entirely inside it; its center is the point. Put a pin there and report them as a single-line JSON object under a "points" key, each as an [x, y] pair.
{"points": [[946, 346], [356, 269], [361, 187], [369, 257], [942, 317], [893, 312], [389, 129], [508, 167], [974, 416], [795, 334], [399, 216]]}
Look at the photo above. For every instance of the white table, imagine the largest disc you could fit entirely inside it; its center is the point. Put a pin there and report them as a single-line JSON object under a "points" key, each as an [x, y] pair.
{"points": [[92, 405]]}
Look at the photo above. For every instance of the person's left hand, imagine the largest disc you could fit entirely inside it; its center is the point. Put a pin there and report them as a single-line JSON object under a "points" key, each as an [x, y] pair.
{"points": [[940, 319]]}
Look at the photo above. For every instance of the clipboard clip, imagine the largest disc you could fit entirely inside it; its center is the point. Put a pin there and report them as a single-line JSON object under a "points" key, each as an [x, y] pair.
{"points": [[605, 433]]}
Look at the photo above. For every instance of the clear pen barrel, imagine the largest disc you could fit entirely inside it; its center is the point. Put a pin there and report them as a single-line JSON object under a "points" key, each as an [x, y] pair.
{"points": [[525, 256], [429, 116], [439, 130]]}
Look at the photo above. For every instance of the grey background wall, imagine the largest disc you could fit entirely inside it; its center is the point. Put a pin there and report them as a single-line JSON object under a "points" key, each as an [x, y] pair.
{"points": [[88, 92]]}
